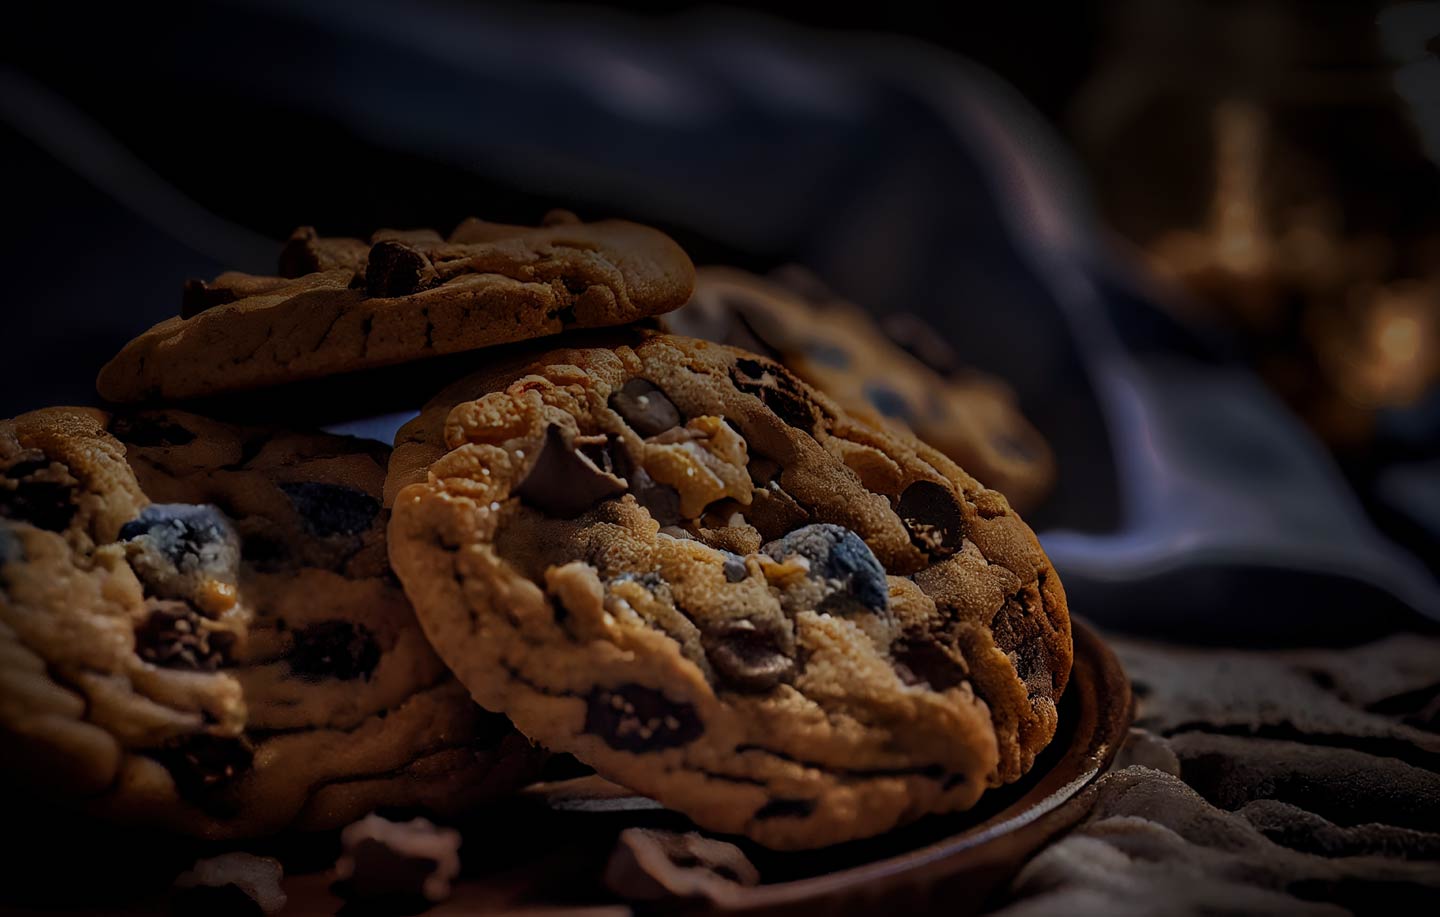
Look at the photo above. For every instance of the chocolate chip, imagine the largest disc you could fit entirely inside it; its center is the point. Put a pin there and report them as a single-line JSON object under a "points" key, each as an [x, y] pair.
{"points": [[827, 354], [747, 656], [331, 509], [396, 867], [306, 252], [396, 269], [661, 500], [645, 407], [48, 505], [933, 517], [785, 808], [638, 719], [334, 649], [842, 562], [921, 659], [181, 538], [197, 296], [174, 636], [735, 569], [563, 481], [921, 341], [888, 401], [781, 392], [148, 431], [204, 765]]}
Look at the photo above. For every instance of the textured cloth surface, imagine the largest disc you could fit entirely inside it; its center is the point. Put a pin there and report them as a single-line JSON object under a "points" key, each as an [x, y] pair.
{"points": [[1304, 782]]}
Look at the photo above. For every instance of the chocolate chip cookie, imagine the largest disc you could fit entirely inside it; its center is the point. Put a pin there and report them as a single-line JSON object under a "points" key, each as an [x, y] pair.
{"points": [[342, 304], [683, 565], [202, 631], [903, 376]]}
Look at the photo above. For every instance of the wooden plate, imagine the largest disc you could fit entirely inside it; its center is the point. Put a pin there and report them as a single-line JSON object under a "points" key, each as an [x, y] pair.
{"points": [[546, 850]]}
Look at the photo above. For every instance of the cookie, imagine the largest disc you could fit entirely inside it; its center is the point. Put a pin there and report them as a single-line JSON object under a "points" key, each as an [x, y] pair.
{"points": [[903, 376], [687, 568], [203, 632], [342, 304]]}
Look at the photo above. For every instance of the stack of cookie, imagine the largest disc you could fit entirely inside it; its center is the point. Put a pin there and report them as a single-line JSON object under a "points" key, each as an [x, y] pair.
{"points": [[753, 584]]}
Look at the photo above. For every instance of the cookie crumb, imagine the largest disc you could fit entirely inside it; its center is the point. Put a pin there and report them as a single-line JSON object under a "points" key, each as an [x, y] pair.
{"points": [[232, 883], [399, 864], [650, 865]]}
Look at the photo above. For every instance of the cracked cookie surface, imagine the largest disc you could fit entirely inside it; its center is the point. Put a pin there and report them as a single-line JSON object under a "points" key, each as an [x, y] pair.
{"points": [[679, 563], [903, 376], [202, 631], [343, 304]]}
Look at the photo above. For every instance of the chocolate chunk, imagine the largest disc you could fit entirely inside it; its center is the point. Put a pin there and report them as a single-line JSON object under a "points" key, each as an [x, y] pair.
{"points": [[149, 431], [232, 883], [306, 252], [331, 509], [563, 481], [174, 636], [921, 341], [919, 659], [653, 865], [777, 389], [26, 496], [334, 649], [661, 500], [645, 407], [888, 401], [933, 517], [842, 562], [735, 569], [198, 296], [638, 719], [173, 539], [204, 765], [774, 512], [396, 867], [785, 808], [396, 269], [747, 656], [827, 354]]}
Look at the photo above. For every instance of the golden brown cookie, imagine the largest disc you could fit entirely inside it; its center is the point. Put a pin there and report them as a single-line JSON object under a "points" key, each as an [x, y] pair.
{"points": [[201, 631], [903, 376], [679, 563], [343, 305]]}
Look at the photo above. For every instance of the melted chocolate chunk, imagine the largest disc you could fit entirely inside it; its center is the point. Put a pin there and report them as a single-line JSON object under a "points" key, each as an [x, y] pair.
{"points": [[149, 431], [785, 808], [922, 342], [747, 656], [334, 649], [841, 561], [638, 719], [331, 509], [888, 401], [933, 517], [921, 659], [645, 407], [661, 500], [777, 389], [174, 636], [48, 505], [204, 765], [396, 269], [563, 481], [199, 296]]}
